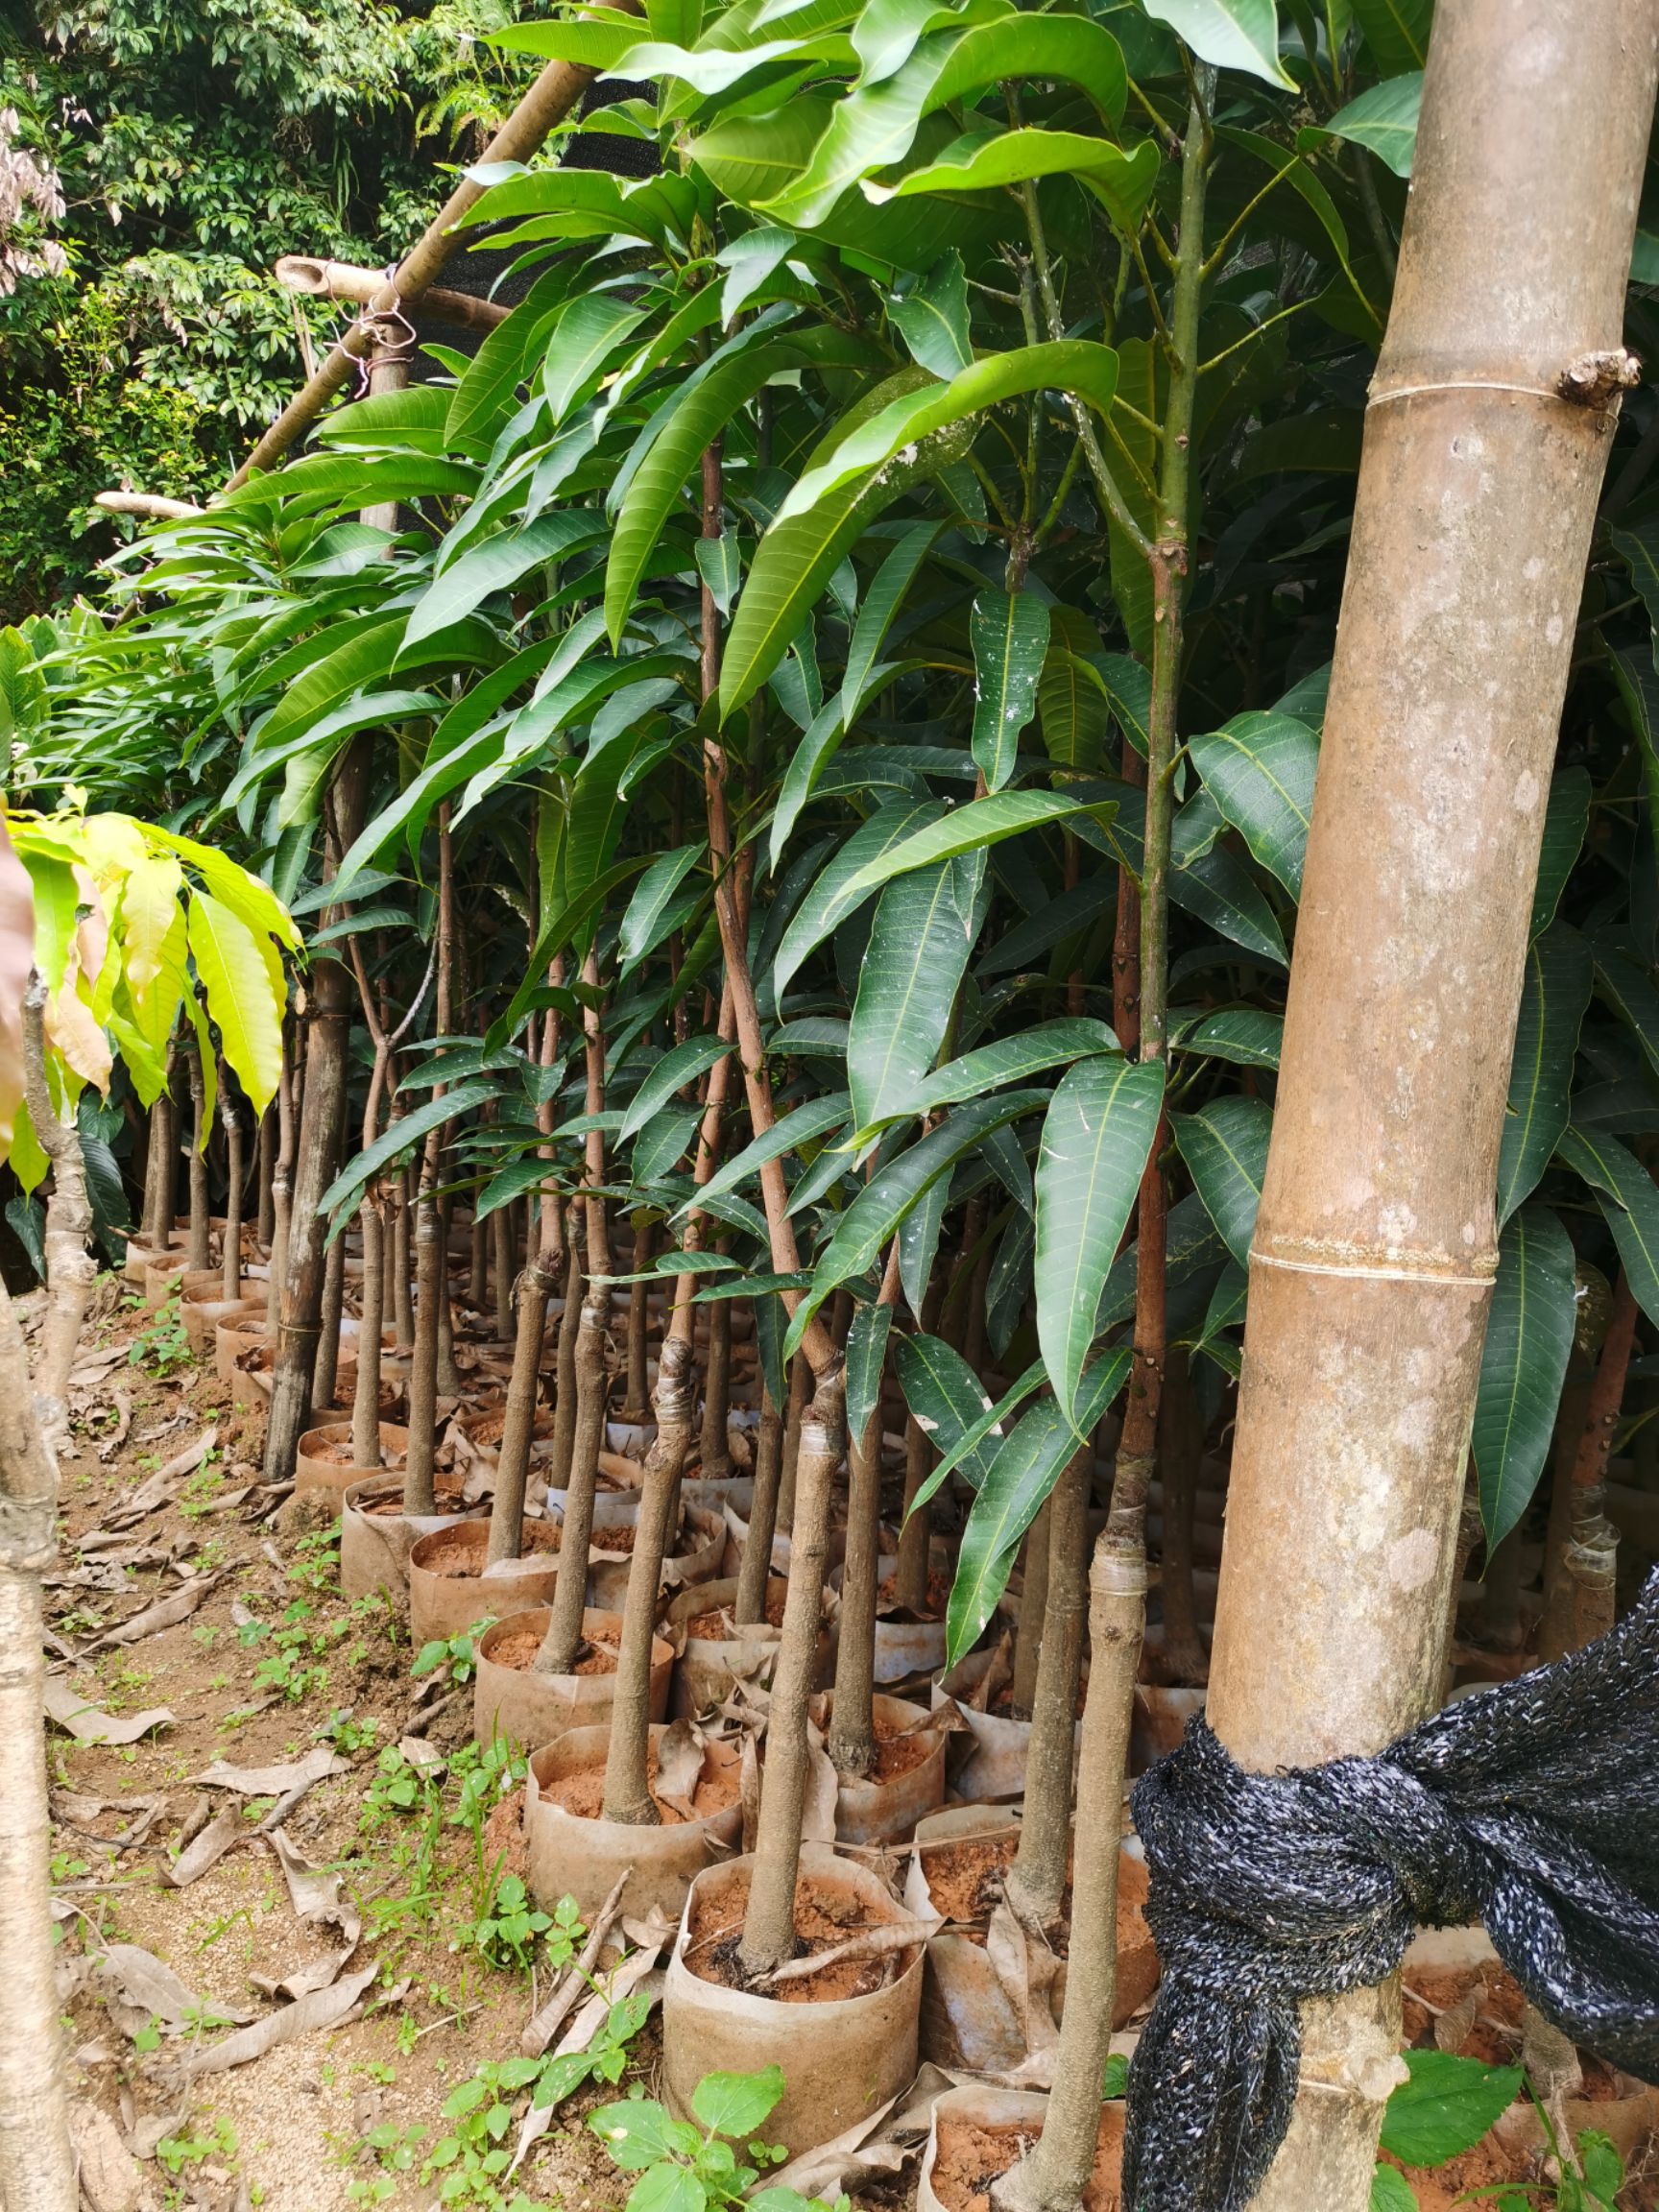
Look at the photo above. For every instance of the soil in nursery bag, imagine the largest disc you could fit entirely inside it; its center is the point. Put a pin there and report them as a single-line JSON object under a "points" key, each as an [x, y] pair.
{"points": [[454, 1553], [519, 1651], [938, 1595], [823, 1919], [899, 1750], [972, 2158], [720, 1626], [449, 1490], [965, 1880], [583, 1792], [341, 1455]]}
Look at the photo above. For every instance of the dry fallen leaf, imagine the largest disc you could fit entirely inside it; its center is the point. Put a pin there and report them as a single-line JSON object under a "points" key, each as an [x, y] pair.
{"points": [[679, 1750], [166, 1613], [321, 2008], [137, 1988], [204, 1850], [315, 1891], [317, 1765], [89, 1724]]}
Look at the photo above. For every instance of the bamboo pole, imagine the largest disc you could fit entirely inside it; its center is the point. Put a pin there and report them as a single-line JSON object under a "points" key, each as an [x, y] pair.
{"points": [[1488, 427], [548, 101], [320, 279]]}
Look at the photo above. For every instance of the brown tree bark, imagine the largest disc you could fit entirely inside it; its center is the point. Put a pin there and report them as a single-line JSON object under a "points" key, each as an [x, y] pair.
{"points": [[1488, 426], [1037, 1878], [37, 2160], [71, 1270], [322, 1121], [1581, 1602]]}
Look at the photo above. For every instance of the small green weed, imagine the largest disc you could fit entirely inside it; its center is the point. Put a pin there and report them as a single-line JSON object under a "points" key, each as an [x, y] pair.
{"points": [[163, 1347], [455, 1657], [193, 2148], [681, 2166]]}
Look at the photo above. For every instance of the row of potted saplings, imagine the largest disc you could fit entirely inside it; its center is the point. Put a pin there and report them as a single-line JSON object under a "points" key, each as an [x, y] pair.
{"points": [[548, 1674]]}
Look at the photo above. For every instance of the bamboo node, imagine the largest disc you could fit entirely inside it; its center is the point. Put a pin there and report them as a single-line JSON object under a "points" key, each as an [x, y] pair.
{"points": [[1384, 1264], [1594, 379]]}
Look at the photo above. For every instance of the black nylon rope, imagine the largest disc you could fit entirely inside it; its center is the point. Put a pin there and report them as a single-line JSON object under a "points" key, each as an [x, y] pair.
{"points": [[1533, 1806]]}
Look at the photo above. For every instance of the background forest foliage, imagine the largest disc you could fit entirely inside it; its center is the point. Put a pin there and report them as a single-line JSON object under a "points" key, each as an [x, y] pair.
{"points": [[195, 141]]}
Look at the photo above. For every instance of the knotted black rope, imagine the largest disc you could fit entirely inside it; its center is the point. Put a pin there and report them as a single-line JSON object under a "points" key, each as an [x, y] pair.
{"points": [[1533, 1806]]}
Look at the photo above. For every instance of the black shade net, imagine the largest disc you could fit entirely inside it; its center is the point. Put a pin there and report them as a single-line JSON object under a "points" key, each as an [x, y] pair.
{"points": [[1533, 1806]]}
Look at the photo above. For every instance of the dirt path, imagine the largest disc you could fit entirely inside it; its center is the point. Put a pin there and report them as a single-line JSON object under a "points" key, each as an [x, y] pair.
{"points": [[272, 1664]]}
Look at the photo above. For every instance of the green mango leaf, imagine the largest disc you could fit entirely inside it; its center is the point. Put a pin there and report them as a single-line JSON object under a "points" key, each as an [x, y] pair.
{"points": [[348, 1187], [865, 1364], [796, 558], [869, 128], [1259, 770], [1009, 632], [653, 899], [1097, 1137], [811, 1119], [931, 317], [1554, 996], [1025, 1470], [971, 828], [674, 443], [496, 565], [1073, 707], [1633, 1216], [907, 984], [1396, 31], [1012, 1060], [881, 604], [334, 674], [949, 1402], [676, 1068], [1624, 983], [1446, 2106], [1565, 819], [514, 1182], [1529, 1338], [1122, 182], [807, 761], [1225, 1145], [1233, 33], [596, 41], [1384, 121], [875, 1213], [1074, 365], [1070, 48], [830, 899], [1248, 1036]]}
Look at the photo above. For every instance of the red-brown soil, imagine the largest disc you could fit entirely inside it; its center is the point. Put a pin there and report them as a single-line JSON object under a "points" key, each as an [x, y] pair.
{"points": [[971, 2158], [825, 1915], [583, 1792]]}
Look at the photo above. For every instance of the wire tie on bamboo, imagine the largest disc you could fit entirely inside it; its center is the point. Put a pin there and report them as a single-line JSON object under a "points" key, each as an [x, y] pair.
{"points": [[1532, 1805]]}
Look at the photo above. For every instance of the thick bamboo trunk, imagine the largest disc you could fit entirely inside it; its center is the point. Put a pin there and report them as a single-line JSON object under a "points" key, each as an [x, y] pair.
{"points": [[1374, 1249]]}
